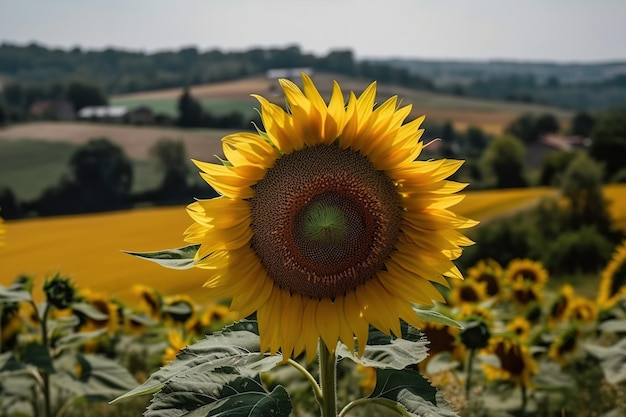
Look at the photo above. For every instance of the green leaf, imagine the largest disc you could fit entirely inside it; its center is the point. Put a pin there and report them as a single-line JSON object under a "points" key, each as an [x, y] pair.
{"points": [[9, 363], [37, 355], [613, 326], [612, 360], [93, 377], [90, 311], [383, 351], [237, 349], [436, 317], [220, 394], [179, 258], [410, 389], [75, 339], [12, 295]]}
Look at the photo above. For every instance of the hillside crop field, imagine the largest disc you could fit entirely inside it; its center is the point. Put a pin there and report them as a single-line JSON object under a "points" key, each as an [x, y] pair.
{"points": [[88, 248], [222, 97], [34, 156]]}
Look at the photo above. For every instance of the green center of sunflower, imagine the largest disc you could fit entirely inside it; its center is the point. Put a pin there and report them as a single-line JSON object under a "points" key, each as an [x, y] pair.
{"points": [[324, 221]]}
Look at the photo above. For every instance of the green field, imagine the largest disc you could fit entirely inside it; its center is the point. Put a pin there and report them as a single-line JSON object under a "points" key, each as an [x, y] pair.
{"points": [[29, 166], [168, 106]]}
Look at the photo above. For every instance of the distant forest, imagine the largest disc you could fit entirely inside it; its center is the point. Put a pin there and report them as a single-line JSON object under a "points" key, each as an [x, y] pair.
{"points": [[571, 86]]}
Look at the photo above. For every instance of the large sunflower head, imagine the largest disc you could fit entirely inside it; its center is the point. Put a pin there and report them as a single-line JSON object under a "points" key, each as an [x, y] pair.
{"points": [[613, 281], [326, 221]]}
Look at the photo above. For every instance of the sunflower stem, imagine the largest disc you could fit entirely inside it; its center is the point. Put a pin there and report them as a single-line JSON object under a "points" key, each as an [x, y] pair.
{"points": [[44, 374], [328, 380], [310, 378], [470, 366]]}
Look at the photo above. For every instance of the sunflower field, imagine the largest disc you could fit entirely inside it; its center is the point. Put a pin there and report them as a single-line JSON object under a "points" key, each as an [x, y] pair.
{"points": [[332, 288]]}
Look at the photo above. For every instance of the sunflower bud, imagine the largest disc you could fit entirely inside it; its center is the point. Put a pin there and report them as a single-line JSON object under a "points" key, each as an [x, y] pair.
{"points": [[59, 292], [475, 335]]}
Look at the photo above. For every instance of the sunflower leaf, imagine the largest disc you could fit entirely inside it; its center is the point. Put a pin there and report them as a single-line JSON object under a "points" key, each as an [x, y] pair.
{"points": [[434, 316], [233, 348], [13, 295], [219, 393], [612, 360], [98, 378], [385, 351], [179, 258], [411, 390]]}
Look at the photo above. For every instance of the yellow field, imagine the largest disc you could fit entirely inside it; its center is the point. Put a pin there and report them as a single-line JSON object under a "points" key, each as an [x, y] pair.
{"points": [[88, 247]]}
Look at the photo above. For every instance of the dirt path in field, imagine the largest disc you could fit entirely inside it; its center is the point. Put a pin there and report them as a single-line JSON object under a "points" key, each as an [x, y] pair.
{"points": [[136, 141]]}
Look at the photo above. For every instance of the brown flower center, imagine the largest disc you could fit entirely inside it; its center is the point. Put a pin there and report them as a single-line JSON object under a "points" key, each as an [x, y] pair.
{"points": [[324, 221]]}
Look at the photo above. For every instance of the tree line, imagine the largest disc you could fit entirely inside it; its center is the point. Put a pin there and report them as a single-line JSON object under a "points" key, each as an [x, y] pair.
{"points": [[118, 71]]}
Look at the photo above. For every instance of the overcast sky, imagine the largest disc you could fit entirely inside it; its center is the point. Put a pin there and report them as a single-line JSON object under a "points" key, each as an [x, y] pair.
{"points": [[529, 30]]}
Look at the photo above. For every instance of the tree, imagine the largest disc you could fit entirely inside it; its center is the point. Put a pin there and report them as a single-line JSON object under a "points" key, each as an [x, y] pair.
{"points": [[524, 128], [553, 166], [582, 124], [172, 159], [582, 187], [82, 94], [189, 110], [103, 175], [608, 140], [546, 123], [503, 162]]}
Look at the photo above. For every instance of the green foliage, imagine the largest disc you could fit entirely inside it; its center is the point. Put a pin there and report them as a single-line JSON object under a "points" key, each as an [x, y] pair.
{"points": [[48, 376], [530, 128], [101, 180], [589, 248], [503, 162], [82, 94], [553, 167], [582, 124], [609, 140], [581, 186]]}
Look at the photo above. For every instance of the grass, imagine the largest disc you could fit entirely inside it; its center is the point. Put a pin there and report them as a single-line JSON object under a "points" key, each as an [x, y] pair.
{"points": [[168, 106], [29, 166]]}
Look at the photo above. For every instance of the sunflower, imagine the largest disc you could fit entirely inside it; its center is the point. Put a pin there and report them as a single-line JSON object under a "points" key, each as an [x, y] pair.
{"points": [[582, 310], [565, 345], [516, 363], [179, 310], [177, 341], [489, 272], [441, 338], [367, 378], [150, 301], [103, 305], [520, 327], [467, 291], [526, 270], [326, 222], [613, 281], [524, 294], [215, 316], [557, 311], [469, 312]]}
